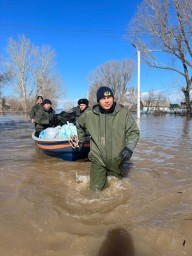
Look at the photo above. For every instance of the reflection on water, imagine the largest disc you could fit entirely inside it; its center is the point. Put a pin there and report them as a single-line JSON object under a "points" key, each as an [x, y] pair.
{"points": [[48, 209]]}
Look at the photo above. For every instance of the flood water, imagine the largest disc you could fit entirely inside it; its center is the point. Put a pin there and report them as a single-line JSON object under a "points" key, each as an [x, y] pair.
{"points": [[47, 208]]}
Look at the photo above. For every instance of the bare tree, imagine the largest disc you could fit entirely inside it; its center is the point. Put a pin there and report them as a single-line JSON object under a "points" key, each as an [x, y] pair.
{"points": [[131, 97], [166, 26], [5, 77], [15, 103], [32, 71], [48, 83], [114, 74], [20, 66], [154, 100]]}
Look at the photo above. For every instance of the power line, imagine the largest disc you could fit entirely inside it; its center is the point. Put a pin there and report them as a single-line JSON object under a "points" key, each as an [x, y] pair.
{"points": [[73, 31], [123, 34], [61, 29]]}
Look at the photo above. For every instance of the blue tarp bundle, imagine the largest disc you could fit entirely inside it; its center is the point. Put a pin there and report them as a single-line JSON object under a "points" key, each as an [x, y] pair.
{"points": [[60, 132]]}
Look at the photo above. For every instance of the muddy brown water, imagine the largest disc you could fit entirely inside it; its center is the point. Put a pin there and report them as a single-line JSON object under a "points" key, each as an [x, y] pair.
{"points": [[47, 208]]}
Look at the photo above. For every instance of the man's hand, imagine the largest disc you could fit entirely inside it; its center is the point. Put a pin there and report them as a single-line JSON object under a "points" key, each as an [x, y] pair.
{"points": [[125, 154], [124, 167], [81, 144]]}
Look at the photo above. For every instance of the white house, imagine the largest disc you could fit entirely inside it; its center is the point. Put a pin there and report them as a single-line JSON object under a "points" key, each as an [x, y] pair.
{"points": [[148, 106]]}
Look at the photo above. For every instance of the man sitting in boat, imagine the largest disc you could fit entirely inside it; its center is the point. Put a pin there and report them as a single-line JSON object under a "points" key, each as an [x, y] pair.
{"points": [[45, 117], [82, 106], [67, 115], [35, 108], [70, 113]]}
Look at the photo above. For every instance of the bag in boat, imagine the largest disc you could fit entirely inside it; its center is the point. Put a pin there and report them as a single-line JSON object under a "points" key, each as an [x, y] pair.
{"points": [[50, 133], [67, 131]]}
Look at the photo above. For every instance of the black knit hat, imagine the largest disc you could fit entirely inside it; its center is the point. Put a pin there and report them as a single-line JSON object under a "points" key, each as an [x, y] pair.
{"points": [[47, 101], [39, 97], [103, 92], [83, 101]]}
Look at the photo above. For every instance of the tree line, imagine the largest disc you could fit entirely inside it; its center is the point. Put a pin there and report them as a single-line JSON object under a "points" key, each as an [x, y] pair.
{"points": [[159, 28], [164, 28], [30, 71]]}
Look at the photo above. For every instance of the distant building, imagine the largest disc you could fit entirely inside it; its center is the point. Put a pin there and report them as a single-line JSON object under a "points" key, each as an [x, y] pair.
{"points": [[175, 109], [174, 106], [148, 106]]}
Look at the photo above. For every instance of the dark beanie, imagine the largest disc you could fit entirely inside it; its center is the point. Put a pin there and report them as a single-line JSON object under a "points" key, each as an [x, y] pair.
{"points": [[47, 101], [103, 92], [39, 97], [83, 101]]}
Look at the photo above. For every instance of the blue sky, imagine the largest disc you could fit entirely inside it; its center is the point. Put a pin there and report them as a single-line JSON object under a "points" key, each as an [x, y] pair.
{"points": [[84, 35]]}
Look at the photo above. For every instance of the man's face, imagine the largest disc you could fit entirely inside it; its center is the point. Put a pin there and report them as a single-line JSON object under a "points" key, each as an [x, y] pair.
{"points": [[47, 106], [82, 107], [106, 102], [39, 101]]}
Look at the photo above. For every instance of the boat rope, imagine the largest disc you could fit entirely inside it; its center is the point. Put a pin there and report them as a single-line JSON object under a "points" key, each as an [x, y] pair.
{"points": [[73, 140]]}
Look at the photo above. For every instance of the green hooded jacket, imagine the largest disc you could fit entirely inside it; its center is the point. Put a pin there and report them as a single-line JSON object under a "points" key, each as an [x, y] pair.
{"points": [[109, 133], [34, 110], [43, 117], [78, 111]]}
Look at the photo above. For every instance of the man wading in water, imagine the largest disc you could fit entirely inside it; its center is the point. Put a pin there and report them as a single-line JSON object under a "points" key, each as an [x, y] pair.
{"points": [[114, 136]]}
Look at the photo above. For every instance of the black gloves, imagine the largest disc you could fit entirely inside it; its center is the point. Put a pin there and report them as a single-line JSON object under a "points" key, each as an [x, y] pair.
{"points": [[124, 167], [125, 154]]}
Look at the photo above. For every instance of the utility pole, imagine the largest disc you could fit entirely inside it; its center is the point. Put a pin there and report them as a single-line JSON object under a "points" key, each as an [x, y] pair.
{"points": [[138, 81]]}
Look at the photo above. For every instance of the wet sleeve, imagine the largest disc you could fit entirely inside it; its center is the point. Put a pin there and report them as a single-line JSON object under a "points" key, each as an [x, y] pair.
{"points": [[132, 132], [32, 113], [80, 124], [41, 118]]}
